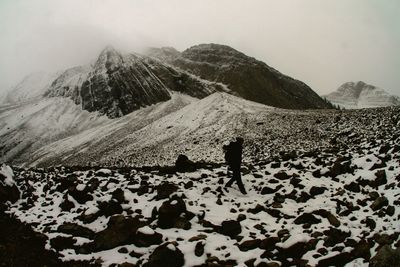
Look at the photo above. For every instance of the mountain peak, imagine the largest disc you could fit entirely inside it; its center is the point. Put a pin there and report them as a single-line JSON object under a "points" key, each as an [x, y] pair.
{"points": [[108, 57], [359, 94]]}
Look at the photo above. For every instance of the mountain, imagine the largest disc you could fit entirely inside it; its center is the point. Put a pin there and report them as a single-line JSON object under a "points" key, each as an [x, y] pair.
{"points": [[353, 95], [245, 76], [107, 111], [118, 84]]}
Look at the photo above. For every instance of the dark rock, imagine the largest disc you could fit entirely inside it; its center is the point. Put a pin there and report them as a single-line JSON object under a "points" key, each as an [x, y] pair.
{"points": [[379, 180], [353, 187], [304, 197], [267, 190], [269, 243], [258, 208], [166, 189], [275, 165], [197, 238], [80, 196], [383, 239], [199, 249], [120, 231], [281, 175], [361, 250], [274, 213], [230, 228], [326, 214], [188, 185], [307, 218], [390, 210], [118, 195], [76, 230], [66, 205], [166, 255], [109, 208], [370, 223], [378, 166], [8, 193], [296, 251], [123, 250], [338, 260], [169, 213], [126, 264], [335, 236], [249, 244], [379, 203], [314, 191], [146, 240], [61, 242], [386, 257], [67, 182], [183, 164], [340, 167], [279, 198]]}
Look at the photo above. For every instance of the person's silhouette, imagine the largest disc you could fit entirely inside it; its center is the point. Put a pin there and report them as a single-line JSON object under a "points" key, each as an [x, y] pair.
{"points": [[233, 156]]}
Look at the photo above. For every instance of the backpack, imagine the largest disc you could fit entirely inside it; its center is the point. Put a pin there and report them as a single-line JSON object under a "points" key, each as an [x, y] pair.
{"points": [[228, 150]]}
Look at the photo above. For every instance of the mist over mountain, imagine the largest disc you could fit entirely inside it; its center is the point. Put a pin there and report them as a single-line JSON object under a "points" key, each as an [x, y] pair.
{"points": [[354, 95]]}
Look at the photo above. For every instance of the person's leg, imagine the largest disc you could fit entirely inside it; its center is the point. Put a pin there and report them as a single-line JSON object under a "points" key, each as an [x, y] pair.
{"points": [[230, 182], [238, 179]]}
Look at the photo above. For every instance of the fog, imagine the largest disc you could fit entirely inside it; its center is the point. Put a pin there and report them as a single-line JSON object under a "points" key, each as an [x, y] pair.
{"points": [[323, 43]]}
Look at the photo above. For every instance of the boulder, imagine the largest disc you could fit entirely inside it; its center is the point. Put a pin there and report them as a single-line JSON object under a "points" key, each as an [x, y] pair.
{"points": [[146, 237], [164, 190], [76, 230], [166, 255], [184, 164], [120, 231], [169, 213], [307, 218], [230, 228], [386, 257], [379, 203]]}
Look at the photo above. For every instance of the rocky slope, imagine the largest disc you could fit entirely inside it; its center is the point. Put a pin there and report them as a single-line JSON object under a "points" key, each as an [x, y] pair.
{"points": [[333, 206], [245, 76], [353, 95]]}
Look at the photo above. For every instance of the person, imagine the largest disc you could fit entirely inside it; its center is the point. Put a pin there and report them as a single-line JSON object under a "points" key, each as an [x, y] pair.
{"points": [[233, 156]]}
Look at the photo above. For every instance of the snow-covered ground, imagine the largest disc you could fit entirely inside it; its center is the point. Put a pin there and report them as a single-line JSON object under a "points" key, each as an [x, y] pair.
{"points": [[330, 199], [332, 207]]}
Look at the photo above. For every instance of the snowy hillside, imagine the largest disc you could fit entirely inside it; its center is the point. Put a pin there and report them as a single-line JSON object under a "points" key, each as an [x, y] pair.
{"points": [[31, 87], [332, 207], [361, 95], [28, 126], [199, 129]]}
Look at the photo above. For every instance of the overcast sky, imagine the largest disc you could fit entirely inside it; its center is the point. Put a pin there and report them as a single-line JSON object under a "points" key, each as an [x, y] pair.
{"points": [[321, 42]]}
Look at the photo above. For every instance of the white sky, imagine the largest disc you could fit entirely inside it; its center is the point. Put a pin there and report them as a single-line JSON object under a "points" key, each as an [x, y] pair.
{"points": [[321, 42]]}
